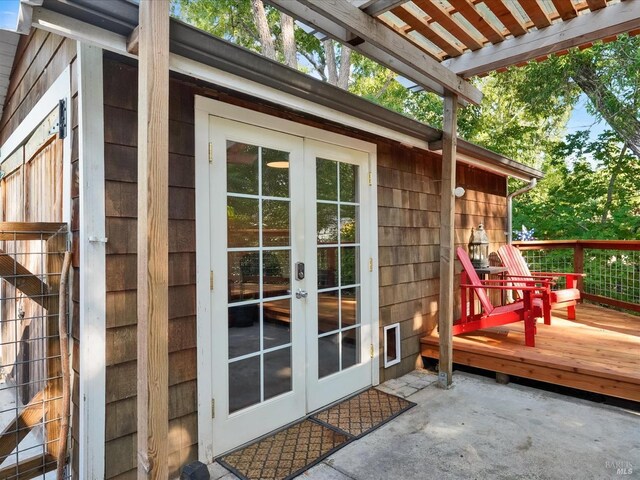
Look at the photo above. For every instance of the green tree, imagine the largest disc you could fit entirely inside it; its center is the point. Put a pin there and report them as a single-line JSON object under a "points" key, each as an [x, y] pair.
{"points": [[590, 190]]}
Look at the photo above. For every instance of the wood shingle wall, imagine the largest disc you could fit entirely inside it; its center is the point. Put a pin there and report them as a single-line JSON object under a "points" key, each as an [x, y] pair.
{"points": [[409, 239], [408, 212], [121, 209]]}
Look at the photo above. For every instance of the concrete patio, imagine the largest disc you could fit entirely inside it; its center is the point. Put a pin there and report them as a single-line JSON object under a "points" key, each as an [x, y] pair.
{"points": [[480, 429]]}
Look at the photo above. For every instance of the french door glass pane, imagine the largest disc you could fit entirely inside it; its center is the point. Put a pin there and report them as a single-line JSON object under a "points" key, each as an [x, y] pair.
{"points": [[259, 274], [338, 254], [277, 372], [244, 383]]}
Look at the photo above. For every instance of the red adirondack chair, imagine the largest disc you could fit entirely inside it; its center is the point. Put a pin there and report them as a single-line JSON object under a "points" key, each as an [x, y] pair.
{"points": [[518, 268], [525, 309]]}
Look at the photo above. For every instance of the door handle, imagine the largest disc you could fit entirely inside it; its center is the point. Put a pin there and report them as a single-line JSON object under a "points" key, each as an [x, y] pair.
{"points": [[302, 293]]}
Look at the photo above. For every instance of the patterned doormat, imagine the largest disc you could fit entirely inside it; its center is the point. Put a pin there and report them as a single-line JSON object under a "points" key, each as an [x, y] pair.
{"points": [[288, 453]]}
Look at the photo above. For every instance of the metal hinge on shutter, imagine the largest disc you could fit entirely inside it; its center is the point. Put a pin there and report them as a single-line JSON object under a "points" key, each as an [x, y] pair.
{"points": [[211, 280], [371, 351], [213, 408], [60, 128], [210, 152], [370, 264], [370, 179]]}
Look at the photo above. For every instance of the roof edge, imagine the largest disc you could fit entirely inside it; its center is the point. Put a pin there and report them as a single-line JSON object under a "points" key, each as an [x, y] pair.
{"points": [[122, 16]]}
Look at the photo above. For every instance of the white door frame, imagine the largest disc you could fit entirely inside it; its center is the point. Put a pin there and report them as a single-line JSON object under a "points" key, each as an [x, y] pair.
{"points": [[204, 107]]}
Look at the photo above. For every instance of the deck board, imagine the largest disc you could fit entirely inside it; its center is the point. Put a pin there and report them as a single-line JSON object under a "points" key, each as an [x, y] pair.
{"points": [[599, 352]]}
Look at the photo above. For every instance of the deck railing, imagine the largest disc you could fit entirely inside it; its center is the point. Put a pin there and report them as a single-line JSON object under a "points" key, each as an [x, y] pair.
{"points": [[612, 267]]}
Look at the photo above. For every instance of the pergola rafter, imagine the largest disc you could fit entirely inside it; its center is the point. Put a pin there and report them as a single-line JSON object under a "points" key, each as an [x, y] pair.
{"points": [[494, 34]]}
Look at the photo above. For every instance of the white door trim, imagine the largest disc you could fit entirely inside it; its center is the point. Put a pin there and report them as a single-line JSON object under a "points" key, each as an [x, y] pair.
{"points": [[203, 108]]}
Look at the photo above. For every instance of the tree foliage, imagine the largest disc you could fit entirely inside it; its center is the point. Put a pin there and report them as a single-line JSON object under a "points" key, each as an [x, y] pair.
{"points": [[590, 187]]}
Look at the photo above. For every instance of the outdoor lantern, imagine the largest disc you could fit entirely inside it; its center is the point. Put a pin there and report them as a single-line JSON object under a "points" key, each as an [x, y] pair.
{"points": [[479, 247]]}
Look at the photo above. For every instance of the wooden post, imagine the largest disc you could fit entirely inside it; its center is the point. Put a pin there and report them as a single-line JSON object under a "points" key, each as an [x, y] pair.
{"points": [[578, 265], [153, 257], [447, 225]]}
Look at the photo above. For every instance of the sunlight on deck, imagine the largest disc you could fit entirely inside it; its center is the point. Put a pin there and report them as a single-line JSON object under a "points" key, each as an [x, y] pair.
{"points": [[598, 352]]}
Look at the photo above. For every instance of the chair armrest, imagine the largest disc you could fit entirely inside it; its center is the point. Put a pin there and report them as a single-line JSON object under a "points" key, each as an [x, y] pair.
{"points": [[525, 278], [561, 274], [500, 287]]}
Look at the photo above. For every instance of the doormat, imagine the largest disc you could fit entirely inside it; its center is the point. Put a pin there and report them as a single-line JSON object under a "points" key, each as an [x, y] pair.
{"points": [[363, 413], [289, 452]]}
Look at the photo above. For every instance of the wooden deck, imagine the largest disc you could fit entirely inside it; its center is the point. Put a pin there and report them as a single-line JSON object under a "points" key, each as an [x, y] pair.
{"points": [[599, 352]]}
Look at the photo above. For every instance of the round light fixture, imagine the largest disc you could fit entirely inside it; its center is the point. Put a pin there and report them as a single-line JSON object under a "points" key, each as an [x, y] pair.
{"points": [[278, 164]]}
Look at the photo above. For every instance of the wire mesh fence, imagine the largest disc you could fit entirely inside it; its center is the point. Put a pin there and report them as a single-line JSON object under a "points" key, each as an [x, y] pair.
{"points": [[31, 374], [610, 273]]}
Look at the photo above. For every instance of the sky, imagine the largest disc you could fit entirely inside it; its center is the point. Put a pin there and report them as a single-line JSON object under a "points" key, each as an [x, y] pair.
{"points": [[8, 14], [581, 120]]}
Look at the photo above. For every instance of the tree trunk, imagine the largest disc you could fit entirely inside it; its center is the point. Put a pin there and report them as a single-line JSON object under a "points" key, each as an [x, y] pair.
{"points": [[345, 68], [612, 183], [330, 59], [288, 41], [264, 32], [621, 117]]}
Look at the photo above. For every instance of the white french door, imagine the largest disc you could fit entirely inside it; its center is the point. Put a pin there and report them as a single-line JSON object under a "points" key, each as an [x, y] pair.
{"points": [[290, 321], [339, 337]]}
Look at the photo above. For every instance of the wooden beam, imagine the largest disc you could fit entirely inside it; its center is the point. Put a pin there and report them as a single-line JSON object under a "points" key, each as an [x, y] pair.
{"points": [[432, 50], [589, 27], [437, 12], [32, 468], [29, 230], [133, 41], [396, 47], [25, 281], [467, 9], [380, 6], [447, 234], [565, 9], [153, 256], [596, 4], [15, 432], [536, 13], [508, 19], [423, 28], [341, 34]]}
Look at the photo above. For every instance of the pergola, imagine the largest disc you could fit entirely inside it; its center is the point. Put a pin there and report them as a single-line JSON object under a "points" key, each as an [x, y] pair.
{"points": [[435, 43]]}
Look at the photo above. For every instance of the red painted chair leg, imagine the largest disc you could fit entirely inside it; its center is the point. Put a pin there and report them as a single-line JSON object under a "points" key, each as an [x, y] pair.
{"points": [[529, 330], [571, 312], [547, 313]]}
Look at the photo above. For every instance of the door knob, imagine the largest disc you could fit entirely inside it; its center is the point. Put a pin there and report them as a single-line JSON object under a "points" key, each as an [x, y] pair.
{"points": [[302, 293]]}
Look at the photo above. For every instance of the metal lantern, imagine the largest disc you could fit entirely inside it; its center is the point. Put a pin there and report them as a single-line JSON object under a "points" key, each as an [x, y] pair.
{"points": [[479, 247]]}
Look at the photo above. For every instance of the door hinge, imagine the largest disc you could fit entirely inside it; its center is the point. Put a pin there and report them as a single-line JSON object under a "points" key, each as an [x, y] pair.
{"points": [[371, 351], [213, 408], [62, 118], [371, 264], [210, 152], [211, 280], [370, 179]]}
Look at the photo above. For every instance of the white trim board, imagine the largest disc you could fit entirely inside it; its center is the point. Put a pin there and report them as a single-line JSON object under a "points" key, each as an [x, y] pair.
{"points": [[251, 117], [92, 263]]}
